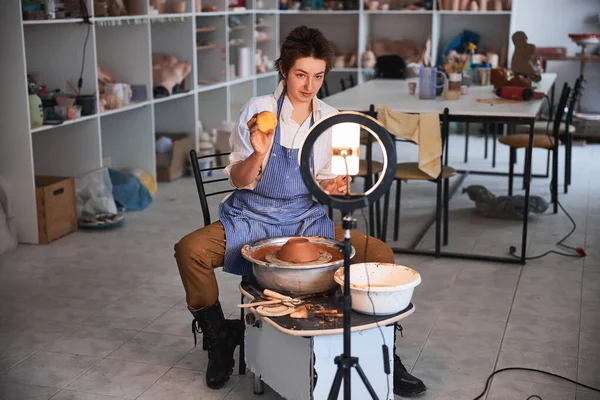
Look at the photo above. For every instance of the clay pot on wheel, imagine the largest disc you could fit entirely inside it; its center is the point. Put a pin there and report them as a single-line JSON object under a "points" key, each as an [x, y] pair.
{"points": [[298, 250]]}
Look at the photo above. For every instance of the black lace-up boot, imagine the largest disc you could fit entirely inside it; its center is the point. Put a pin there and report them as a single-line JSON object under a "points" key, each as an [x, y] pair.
{"points": [[221, 337], [405, 384]]}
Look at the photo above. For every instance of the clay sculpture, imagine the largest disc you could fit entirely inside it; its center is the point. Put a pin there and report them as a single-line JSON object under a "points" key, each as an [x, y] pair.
{"points": [[521, 62]]}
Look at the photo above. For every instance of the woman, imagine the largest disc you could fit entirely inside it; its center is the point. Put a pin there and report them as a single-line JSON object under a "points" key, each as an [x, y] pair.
{"points": [[271, 199]]}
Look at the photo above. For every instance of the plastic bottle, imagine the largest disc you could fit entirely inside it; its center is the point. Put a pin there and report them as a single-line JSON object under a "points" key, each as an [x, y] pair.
{"points": [[468, 70], [36, 110]]}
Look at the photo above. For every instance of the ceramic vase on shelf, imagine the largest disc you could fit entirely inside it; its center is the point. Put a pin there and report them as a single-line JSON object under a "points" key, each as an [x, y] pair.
{"points": [[159, 5]]}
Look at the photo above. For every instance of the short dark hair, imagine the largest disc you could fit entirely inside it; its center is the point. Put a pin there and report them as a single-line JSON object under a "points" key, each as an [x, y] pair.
{"points": [[304, 42]]}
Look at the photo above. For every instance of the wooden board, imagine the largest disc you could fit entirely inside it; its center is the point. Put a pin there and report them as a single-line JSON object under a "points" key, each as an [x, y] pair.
{"points": [[318, 325]]}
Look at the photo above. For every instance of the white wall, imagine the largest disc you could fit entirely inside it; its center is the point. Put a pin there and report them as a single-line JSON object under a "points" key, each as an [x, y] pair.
{"points": [[548, 23]]}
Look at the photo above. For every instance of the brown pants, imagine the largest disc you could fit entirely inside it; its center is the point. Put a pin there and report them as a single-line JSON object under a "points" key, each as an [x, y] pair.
{"points": [[200, 252]]}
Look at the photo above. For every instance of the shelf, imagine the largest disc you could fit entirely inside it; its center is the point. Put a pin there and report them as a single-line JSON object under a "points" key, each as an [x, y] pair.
{"points": [[128, 107], [65, 123], [211, 13], [478, 13], [409, 12], [236, 81], [206, 47], [325, 12], [206, 29], [123, 18], [267, 74], [239, 28], [173, 97], [236, 44], [208, 88], [171, 15], [267, 40], [53, 21], [262, 26]]}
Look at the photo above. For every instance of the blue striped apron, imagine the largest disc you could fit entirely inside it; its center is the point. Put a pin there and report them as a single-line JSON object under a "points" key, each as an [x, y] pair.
{"points": [[280, 205]]}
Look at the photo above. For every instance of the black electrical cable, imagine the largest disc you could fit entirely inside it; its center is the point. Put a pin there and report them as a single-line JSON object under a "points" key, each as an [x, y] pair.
{"points": [[384, 346], [580, 252], [489, 379], [80, 80], [86, 20]]}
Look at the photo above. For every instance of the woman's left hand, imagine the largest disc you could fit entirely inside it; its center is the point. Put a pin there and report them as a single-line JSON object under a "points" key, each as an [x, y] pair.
{"points": [[337, 185]]}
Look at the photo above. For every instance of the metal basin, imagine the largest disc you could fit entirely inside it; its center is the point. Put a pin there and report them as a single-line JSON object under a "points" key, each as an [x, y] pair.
{"points": [[296, 279]]}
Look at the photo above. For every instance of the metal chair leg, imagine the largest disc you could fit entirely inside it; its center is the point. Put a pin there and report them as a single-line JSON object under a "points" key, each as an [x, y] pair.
{"points": [[494, 137], [242, 362], [567, 178], [446, 211], [511, 169], [258, 385], [438, 217], [467, 143], [555, 176], [397, 209], [486, 131]]}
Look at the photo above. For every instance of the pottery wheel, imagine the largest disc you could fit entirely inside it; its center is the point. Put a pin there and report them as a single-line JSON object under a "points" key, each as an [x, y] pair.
{"points": [[274, 311], [324, 258]]}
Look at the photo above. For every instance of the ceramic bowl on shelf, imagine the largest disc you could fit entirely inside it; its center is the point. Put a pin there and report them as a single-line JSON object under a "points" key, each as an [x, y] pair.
{"points": [[583, 39], [379, 288]]}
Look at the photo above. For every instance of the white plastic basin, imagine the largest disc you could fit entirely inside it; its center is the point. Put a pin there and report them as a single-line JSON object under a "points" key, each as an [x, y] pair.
{"points": [[379, 288]]}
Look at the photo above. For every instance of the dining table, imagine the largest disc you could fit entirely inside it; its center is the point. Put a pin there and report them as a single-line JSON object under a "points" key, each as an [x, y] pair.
{"points": [[478, 105]]}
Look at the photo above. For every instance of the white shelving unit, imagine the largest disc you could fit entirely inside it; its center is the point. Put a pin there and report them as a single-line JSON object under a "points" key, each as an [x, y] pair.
{"points": [[213, 92]]}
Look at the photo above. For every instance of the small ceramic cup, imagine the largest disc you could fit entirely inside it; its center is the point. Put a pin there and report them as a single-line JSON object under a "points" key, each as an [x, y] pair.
{"points": [[412, 88]]}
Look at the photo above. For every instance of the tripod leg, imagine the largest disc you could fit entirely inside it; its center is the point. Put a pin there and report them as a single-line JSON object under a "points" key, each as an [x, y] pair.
{"points": [[363, 377], [337, 382]]}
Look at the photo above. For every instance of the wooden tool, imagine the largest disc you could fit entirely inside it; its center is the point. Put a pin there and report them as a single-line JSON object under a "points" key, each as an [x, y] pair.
{"points": [[260, 303], [276, 295]]}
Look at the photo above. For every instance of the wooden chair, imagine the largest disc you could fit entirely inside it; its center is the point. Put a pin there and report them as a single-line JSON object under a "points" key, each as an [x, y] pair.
{"points": [[203, 195], [540, 141], [410, 172]]}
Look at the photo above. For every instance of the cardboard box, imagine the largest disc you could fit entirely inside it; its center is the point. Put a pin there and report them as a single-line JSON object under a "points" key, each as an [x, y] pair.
{"points": [[56, 207], [173, 165]]}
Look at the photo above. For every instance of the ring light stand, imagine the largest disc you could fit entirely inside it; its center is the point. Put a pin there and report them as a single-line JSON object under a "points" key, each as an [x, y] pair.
{"points": [[347, 203]]}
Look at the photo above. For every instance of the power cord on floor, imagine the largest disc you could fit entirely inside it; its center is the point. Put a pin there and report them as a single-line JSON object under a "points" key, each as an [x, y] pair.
{"points": [[489, 379], [580, 251]]}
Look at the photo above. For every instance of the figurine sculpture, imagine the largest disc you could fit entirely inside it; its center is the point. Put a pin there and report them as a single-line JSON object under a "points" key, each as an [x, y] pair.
{"points": [[168, 73], [521, 62]]}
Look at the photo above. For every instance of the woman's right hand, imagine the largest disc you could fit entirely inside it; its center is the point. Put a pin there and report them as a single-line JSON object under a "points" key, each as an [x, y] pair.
{"points": [[260, 141]]}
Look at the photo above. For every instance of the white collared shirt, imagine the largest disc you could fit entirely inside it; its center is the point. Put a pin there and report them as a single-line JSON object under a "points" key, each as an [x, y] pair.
{"points": [[291, 134]]}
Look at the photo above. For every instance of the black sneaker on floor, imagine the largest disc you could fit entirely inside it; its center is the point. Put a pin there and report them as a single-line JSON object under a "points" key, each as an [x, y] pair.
{"points": [[405, 384]]}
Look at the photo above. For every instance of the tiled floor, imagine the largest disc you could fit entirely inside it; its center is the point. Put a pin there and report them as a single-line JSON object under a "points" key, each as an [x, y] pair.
{"points": [[101, 315]]}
